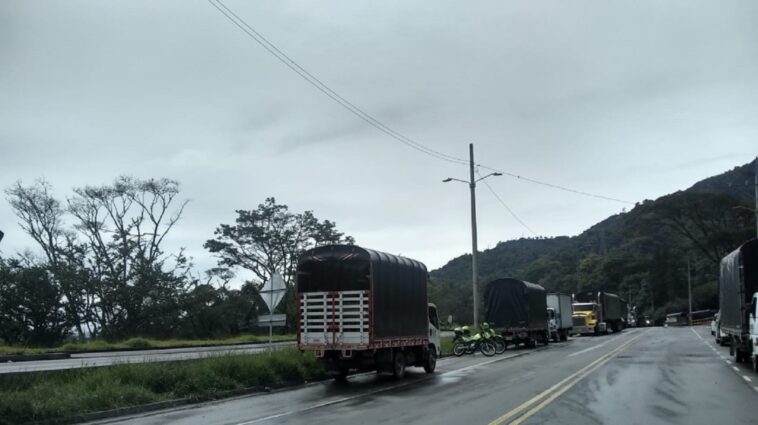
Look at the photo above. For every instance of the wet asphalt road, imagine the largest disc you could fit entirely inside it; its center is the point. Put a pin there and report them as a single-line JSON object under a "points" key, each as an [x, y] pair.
{"points": [[80, 360], [641, 376]]}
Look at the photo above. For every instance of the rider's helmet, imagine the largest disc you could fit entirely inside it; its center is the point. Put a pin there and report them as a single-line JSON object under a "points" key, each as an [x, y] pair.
{"points": [[466, 330], [485, 325]]}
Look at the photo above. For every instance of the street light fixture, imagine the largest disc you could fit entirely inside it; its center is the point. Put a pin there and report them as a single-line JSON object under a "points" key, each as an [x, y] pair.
{"points": [[474, 251]]}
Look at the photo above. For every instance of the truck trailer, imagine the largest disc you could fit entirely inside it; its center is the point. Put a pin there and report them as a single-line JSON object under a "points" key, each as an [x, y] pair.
{"points": [[559, 312], [598, 313], [738, 284], [518, 311], [361, 310]]}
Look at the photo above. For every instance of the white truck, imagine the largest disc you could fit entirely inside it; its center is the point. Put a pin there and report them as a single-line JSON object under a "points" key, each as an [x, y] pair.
{"points": [[362, 310], [559, 313]]}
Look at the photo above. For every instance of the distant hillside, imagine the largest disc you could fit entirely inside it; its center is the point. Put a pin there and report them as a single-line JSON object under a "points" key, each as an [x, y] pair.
{"points": [[640, 254]]}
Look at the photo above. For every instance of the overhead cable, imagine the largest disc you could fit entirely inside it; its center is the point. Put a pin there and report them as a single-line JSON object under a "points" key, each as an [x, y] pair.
{"points": [[363, 115], [513, 214]]}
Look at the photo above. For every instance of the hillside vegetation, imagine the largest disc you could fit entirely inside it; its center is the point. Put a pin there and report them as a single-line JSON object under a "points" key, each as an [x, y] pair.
{"points": [[640, 254]]}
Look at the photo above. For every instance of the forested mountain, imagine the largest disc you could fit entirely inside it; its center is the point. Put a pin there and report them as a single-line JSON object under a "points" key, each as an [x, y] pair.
{"points": [[641, 254]]}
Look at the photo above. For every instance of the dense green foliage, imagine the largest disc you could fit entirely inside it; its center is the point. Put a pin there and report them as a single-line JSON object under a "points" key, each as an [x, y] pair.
{"points": [[57, 395], [641, 254], [104, 274]]}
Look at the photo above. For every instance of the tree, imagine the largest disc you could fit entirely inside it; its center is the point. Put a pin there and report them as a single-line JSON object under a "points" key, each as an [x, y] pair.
{"points": [[110, 264], [32, 308], [41, 218], [714, 223], [270, 239]]}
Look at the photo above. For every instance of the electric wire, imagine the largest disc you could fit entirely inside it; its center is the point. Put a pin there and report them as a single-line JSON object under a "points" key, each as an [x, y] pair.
{"points": [[318, 84], [513, 214], [329, 92]]}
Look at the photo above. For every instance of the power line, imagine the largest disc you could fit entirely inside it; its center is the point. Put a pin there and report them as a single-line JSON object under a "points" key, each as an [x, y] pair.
{"points": [[363, 115], [555, 186], [318, 84], [513, 214]]}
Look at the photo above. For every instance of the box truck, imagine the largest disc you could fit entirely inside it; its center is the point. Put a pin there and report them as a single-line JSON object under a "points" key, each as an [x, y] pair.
{"points": [[559, 312], [517, 310], [360, 310]]}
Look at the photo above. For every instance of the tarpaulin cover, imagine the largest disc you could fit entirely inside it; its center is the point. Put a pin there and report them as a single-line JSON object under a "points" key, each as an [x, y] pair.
{"points": [[398, 285], [512, 303], [738, 283], [611, 303]]}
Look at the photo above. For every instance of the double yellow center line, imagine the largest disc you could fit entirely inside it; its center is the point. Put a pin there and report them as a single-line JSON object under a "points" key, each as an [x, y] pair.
{"points": [[556, 390]]}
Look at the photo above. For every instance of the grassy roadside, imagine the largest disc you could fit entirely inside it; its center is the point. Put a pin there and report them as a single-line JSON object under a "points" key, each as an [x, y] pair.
{"points": [[29, 397], [446, 345], [140, 343]]}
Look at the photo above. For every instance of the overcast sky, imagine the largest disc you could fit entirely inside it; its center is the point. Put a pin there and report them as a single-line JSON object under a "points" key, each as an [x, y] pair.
{"points": [[629, 99]]}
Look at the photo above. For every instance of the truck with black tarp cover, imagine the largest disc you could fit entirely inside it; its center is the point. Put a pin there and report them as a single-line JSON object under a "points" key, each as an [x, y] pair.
{"points": [[738, 300], [517, 310], [360, 309]]}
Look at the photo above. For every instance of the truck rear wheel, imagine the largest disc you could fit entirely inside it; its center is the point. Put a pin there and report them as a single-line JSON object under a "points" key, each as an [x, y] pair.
{"points": [[431, 360], [755, 363], [398, 365]]}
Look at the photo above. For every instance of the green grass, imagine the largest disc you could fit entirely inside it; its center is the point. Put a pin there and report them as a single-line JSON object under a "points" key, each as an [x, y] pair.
{"points": [[143, 343], [65, 394], [446, 345]]}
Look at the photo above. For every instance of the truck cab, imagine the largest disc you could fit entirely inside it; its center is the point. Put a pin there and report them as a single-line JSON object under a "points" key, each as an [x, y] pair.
{"points": [[552, 324], [434, 330], [587, 320]]}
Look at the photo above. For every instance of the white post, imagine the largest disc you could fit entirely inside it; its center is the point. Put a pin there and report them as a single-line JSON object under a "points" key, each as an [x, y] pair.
{"points": [[271, 319]]}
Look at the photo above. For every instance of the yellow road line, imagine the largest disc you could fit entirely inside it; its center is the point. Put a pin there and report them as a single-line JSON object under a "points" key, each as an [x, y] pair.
{"points": [[583, 372]]}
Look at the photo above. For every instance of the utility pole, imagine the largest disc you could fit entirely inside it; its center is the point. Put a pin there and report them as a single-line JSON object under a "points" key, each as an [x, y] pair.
{"points": [[474, 250], [689, 290], [471, 182]]}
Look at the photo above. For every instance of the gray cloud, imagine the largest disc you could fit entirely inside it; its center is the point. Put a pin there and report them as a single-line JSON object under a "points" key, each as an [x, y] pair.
{"points": [[629, 99]]}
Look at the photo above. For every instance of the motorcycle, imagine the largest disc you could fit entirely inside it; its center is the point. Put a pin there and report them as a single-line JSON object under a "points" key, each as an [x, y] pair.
{"points": [[497, 339], [464, 343]]}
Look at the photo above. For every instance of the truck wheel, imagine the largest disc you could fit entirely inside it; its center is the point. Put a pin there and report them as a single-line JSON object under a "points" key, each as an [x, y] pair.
{"points": [[398, 366], [564, 336], [341, 375], [731, 346], [431, 360], [755, 363]]}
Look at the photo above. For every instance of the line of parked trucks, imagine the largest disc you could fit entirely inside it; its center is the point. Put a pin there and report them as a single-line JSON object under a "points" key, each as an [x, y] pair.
{"points": [[363, 310]]}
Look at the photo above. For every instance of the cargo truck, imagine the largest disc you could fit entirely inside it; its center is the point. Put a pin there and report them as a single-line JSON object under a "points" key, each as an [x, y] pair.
{"points": [[597, 313], [518, 311], [738, 284], [559, 312], [362, 310]]}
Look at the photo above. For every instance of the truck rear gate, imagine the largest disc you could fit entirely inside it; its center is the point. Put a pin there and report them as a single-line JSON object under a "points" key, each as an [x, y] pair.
{"points": [[340, 320]]}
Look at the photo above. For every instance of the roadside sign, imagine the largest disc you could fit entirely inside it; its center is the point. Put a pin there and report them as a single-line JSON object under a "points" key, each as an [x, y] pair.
{"points": [[272, 320], [272, 293]]}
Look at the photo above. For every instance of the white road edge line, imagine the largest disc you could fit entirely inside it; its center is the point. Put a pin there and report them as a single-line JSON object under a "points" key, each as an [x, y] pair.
{"points": [[736, 369], [747, 378]]}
